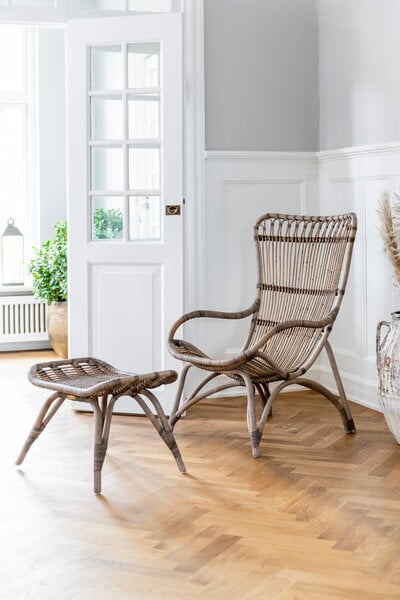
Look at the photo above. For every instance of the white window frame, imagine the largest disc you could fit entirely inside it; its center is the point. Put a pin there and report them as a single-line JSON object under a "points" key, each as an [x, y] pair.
{"points": [[25, 15], [26, 102]]}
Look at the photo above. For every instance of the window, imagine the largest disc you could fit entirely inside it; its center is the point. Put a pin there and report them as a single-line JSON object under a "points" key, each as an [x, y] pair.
{"points": [[16, 127]]}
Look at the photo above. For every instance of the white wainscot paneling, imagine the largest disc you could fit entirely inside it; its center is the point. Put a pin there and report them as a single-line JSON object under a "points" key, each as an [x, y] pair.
{"points": [[240, 187], [353, 179], [242, 204], [339, 198], [134, 338]]}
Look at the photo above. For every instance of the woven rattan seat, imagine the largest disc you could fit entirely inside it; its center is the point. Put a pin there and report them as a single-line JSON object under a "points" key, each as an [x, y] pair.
{"points": [[303, 267], [100, 385]]}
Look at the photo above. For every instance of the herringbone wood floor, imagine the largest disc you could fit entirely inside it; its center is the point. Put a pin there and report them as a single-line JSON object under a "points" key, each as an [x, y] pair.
{"points": [[317, 517]]}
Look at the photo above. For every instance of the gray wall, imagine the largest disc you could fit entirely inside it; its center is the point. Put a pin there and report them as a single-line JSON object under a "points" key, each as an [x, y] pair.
{"points": [[51, 129], [359, 72], [261, 70]]}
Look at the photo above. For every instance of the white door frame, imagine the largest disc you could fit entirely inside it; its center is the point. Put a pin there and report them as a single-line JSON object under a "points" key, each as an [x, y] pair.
{"points": [[194, 153], [194, 132]]}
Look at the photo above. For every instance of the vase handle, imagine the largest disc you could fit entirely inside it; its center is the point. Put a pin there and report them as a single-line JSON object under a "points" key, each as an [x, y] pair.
{"points": [[379, 345]]}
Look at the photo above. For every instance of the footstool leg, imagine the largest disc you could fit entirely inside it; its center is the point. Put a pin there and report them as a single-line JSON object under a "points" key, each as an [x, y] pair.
{"points": [[44, 417], [162, 426], [102, 424]]}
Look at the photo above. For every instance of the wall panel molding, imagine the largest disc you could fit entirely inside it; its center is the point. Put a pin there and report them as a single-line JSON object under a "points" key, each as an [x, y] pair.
{"points": [[359, 151], [240, 185], [353, 179], [251, 156]]}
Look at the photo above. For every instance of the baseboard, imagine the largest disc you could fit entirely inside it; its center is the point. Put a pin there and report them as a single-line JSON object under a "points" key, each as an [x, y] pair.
{"points": [[358, 390], [20, 346]]}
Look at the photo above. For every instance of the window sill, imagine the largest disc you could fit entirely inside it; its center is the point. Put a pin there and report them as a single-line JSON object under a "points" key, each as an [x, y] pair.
{"points": [[15, 290]]}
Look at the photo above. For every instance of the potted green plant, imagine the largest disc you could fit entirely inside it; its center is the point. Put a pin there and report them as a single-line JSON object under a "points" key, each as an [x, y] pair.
{"points": [[48, 268]]}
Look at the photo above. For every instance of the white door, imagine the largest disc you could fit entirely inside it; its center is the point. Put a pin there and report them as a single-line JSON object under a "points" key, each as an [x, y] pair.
{"points": [[125, 193]]}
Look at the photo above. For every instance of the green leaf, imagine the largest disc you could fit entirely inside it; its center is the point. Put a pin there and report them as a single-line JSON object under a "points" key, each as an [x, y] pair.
{"points": [[107, 224], [49, 267]]}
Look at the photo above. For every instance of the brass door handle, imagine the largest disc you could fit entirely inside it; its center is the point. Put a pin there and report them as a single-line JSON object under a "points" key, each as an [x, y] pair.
{"points": [[172, 210]]}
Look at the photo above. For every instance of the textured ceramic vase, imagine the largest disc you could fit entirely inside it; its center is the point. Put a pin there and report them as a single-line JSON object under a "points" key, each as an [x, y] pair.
{"points": [[388, 363], [57, 327]]}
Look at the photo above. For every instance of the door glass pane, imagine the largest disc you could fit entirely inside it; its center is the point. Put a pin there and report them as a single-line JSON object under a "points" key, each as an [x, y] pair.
{"points": [[107, 169], [144, 65], [144, 116], [144, 168], [144, 218], [106, 68], [150, 5], [13, 51], [106, 118], [107, 217]]}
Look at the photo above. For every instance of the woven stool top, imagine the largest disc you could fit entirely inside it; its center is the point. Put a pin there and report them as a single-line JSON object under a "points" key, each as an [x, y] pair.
{"points": [[85, 377]]}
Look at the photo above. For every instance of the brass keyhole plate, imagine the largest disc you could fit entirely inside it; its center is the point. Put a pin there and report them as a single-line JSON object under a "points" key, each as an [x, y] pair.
{"points": [[173, 210]]}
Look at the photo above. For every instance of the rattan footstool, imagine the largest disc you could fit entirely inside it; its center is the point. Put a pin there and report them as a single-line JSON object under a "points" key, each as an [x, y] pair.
{"points": [[100, 385]]}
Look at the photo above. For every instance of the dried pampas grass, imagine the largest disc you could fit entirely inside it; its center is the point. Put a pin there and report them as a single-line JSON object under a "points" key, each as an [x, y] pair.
{"points": [[390, 231]]}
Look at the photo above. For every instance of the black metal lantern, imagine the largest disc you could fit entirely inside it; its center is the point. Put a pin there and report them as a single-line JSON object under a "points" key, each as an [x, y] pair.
{"points": [[12, 255]]}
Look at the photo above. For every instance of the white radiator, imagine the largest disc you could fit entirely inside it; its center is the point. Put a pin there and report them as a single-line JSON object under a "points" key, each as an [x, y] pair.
{"points": [[22, 322]]}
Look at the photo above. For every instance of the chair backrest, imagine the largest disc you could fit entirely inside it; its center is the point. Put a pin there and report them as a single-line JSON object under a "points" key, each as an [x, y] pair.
{"points": [[303, 269]]}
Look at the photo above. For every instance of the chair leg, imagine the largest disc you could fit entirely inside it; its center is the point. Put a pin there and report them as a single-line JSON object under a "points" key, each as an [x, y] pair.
{"points": [[254, 434], [267, 411], [312, 385], [162, 426], [178, 396], [102, 424], [44, 417], [349, 424], [267, 393], [264, 394]]}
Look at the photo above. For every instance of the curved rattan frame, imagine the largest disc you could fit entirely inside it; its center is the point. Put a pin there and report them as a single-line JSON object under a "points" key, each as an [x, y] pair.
{"points": [[311, 256], [100, 385]]}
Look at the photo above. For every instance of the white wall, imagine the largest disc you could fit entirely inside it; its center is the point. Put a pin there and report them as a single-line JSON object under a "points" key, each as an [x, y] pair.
{"points": [[359, 66], [360, 99], [261, 71], [51, 129]]}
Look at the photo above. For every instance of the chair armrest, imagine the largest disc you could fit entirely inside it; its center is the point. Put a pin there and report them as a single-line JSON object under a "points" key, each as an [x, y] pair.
{"points": [[329, 319], [237, 361], [211, 314]]}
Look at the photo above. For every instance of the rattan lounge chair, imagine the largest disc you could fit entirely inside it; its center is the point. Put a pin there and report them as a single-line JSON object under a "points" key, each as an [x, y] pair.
{"points": [[303, 267]]}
